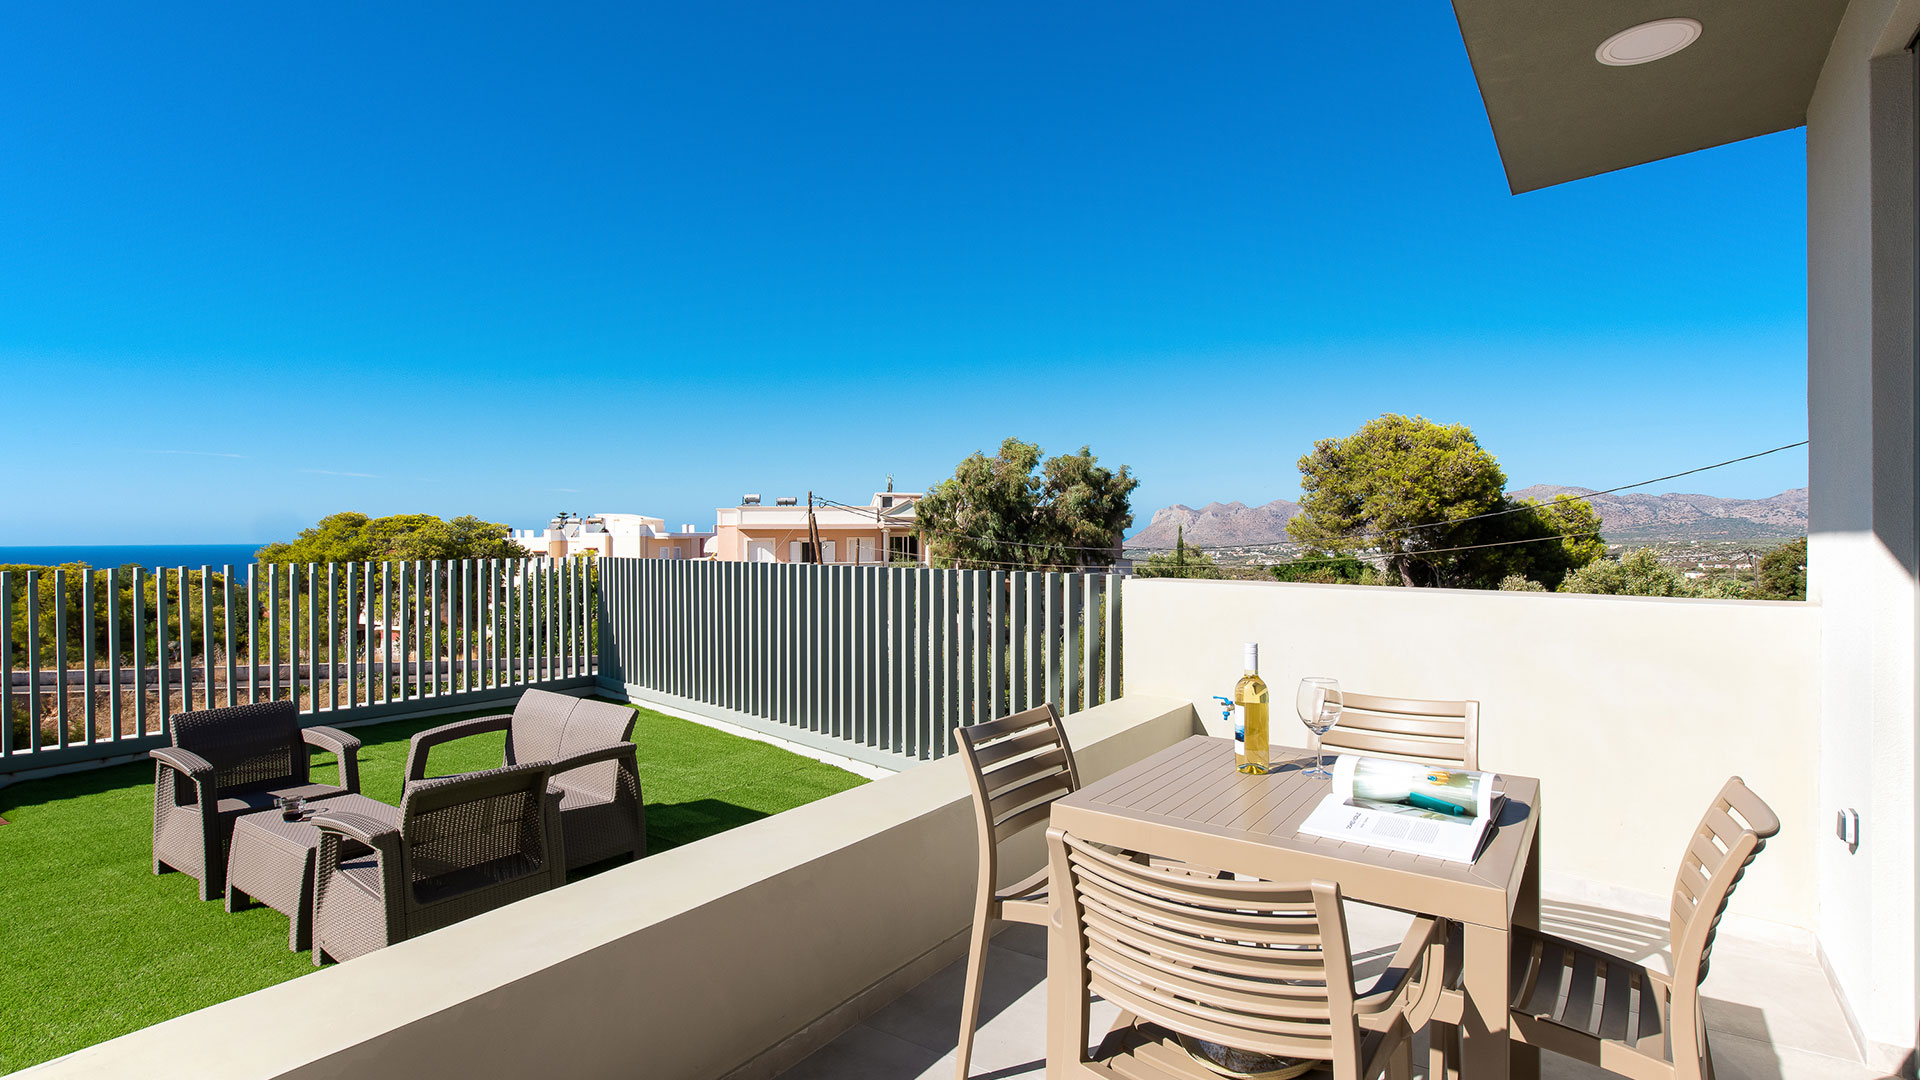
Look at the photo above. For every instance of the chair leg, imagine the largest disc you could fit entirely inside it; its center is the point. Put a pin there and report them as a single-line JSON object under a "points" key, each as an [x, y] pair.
{"points": [[1442, 1057], [1400, 1059], [970, 1004]]}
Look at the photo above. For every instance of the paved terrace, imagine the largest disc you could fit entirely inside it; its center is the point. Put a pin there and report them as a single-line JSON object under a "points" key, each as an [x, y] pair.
{"points": [[1771, 1014]]}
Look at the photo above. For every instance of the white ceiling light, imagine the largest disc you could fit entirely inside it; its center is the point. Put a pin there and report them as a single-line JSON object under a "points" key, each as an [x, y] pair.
{"points": [[1648, 42]]}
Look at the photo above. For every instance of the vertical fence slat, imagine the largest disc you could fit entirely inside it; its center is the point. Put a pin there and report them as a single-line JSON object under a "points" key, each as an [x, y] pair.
{"points": [[226, 621], [60, 656], [140, 651], [87, 623], [253, 629], [206, 634], [160, 646], [293, 631], [113, 650], [6, 665], [313, 640]]}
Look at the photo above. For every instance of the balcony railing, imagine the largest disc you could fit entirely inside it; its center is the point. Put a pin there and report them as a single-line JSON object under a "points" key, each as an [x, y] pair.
{"points": [[94, 663], [878, 663]]}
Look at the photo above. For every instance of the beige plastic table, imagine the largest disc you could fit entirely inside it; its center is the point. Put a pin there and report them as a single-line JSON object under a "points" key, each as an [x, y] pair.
{"points": [[1187, 802], [272, 860]]}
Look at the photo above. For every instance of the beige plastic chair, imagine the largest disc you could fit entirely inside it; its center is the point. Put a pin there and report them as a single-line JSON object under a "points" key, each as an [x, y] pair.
{"points": [[1254, 965], [1444, 733], [1017, 766], [1430, 732], [1598, 1008]]}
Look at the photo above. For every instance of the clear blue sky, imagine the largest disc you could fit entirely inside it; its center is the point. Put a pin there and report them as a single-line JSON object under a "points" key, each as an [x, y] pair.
{"points": [[263, 262]]}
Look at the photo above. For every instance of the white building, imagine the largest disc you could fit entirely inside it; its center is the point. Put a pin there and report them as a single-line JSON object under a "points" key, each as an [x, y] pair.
{"points": [[633, 536]]}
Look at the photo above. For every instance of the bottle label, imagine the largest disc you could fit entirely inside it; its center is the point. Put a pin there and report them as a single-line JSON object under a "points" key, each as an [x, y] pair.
{"points": [[1240, 730]]}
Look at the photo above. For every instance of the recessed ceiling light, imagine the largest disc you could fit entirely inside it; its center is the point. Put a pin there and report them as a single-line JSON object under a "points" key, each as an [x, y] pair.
{"points": [[1648, 42]]}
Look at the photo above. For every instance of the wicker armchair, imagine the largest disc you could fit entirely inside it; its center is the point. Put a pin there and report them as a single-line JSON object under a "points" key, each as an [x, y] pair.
{"points": [[464, 845], [595, 769], [227, 762]]}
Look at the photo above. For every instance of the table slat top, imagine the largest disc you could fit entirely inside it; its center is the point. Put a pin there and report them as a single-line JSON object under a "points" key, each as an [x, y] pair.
{"points": [[1192, 787]]}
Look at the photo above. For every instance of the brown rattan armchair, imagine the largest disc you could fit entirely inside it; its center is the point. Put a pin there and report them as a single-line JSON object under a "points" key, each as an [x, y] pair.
{"points": [[595, 767], [232, 761], [464, 845]]}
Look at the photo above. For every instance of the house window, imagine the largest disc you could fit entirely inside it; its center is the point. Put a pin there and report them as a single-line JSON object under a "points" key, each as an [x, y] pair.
{"points": [[903, 548], [863, 550]]}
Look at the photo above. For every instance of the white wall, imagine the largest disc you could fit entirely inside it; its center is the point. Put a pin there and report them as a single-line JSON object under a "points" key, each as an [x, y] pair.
{"points": [[1631, 711], [1860, 411]]}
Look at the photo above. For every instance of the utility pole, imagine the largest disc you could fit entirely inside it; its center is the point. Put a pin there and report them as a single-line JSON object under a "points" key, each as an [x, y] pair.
{"points": [[813, 532]]}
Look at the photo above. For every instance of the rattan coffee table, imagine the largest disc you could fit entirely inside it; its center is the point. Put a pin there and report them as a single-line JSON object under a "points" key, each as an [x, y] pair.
{"points": [[272, 861]]}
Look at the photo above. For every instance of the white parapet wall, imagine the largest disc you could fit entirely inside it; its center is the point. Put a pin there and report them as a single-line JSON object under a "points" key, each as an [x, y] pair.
{"points": [[730, 957], [1631, 711]]}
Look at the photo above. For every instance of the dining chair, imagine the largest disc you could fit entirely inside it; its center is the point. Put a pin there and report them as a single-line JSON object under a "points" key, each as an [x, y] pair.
{"points": [[1443, 733], [1430, 732], [1016, 767], [1593, 1006], [1261, 967]]}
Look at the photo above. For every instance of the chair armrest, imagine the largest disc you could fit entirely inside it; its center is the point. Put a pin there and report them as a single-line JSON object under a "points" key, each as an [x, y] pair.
{"points": [[186, 762], [425, 741], [368, 830], [342, 746], [1411, 985], [621, 751]]}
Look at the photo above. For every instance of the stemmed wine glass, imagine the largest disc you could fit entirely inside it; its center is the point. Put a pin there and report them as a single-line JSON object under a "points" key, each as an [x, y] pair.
{"points": [[1319, 706]]}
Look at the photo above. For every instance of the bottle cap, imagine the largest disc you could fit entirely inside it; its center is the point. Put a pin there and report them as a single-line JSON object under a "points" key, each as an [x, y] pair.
{"points": [[1253, 656]]}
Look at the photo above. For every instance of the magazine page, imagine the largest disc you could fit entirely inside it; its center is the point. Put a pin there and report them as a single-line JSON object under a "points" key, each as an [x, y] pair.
{"points": [[1404, 806], [1456, 792]]}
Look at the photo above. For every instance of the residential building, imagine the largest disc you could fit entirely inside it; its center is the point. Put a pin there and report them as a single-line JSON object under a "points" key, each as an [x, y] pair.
{"points": [[632, 536], [878, 533]]}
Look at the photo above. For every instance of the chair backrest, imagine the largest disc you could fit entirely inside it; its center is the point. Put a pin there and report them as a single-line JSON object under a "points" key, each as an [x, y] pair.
{"points": [[255, 745], [1733, 831], [460, 833], [1016, 765], [1257, 965], [1430, 732], [548, 726]]}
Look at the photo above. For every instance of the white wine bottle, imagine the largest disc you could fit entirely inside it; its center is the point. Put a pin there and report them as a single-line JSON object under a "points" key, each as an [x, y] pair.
{"points": [[1251, 747]]}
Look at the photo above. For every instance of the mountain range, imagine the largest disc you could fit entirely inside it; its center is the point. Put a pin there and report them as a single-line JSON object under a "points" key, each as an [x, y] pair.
{"points": [[1624, 518]]}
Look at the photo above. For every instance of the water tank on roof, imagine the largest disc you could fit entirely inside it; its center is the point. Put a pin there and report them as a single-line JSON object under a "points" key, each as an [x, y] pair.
{"points": [[749, 500], [786, 500]]}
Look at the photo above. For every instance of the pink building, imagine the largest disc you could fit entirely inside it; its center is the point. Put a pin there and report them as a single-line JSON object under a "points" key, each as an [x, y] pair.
{"points": [[873, 535]]}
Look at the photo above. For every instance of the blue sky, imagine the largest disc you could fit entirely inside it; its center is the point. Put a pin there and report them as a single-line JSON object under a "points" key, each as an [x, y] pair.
{"points": [[264, 263]]}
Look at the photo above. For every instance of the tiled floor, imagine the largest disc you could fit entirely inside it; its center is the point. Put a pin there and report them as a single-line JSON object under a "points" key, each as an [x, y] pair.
{"points": [[1770, 1011]]}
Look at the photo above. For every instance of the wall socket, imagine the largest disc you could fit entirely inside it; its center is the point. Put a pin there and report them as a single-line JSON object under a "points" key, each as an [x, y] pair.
{"points": [[1846, 826]]}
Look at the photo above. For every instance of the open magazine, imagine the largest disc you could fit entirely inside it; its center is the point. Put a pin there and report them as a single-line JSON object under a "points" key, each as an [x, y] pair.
{"points": [[1406, 806]]}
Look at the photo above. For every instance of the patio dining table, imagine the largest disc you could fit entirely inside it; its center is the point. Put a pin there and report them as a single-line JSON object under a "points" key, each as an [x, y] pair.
{"points": [[1187, 801]]}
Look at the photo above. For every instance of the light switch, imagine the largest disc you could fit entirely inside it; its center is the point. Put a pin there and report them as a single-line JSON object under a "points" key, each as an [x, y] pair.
{"points": [[1847, 828]]}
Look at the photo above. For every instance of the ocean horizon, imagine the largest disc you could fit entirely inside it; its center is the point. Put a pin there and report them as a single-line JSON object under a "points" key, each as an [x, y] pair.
{"points": [[102, 556]]}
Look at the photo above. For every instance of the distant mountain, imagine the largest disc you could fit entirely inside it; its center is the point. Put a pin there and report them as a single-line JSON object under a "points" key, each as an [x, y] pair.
{"points": [[1217, 525], [1631, 518], [1624, 518]]}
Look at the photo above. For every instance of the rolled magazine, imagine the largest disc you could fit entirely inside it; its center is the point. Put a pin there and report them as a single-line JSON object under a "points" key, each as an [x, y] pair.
{"points": [[1407, 806]]}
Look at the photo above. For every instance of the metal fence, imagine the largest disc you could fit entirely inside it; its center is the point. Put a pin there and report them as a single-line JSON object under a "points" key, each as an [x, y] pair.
{"points": [[93, 663], [879, 663]]}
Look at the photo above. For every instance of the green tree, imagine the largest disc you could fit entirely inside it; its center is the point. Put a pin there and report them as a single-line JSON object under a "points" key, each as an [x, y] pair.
{"points": [[1783, 573], [1638, 574], [1184, 561], [353, 537], [1430, 500], [1323, 568], [1018, 508], [1520, 583]]}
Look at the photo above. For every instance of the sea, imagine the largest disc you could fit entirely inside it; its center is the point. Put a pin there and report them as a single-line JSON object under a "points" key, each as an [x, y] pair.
{"points": [[147, 555]]}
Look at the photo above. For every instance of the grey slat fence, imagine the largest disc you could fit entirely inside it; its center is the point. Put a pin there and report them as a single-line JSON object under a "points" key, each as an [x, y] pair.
{"points": [[94, 663], [876, 663]]}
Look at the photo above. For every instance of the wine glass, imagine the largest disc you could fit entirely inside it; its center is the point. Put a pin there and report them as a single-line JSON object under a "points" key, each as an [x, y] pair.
{"points": [[1318, 703]]}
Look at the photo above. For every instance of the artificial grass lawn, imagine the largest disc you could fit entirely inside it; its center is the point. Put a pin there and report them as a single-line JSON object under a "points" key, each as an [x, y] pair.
{"points": [[92, 945]]}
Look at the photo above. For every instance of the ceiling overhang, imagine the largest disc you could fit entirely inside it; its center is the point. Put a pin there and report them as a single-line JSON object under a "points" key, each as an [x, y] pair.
{"points": [[1559, 114]]}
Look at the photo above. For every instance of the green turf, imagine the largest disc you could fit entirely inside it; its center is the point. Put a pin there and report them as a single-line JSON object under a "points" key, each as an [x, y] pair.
{"points": [[92, 945]]}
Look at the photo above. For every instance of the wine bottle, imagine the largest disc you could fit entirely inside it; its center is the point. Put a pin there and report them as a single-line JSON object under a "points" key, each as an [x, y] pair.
{"points": [[1251, 748]]}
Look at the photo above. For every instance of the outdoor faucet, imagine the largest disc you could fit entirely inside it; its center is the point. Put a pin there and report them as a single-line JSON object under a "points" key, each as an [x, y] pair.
{"points": [[1226, 709]]}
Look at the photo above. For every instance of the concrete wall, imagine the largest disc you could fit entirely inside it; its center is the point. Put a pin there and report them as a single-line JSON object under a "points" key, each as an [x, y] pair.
{"points": [[735, 955], [1631, 711], [1863, 553]]}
